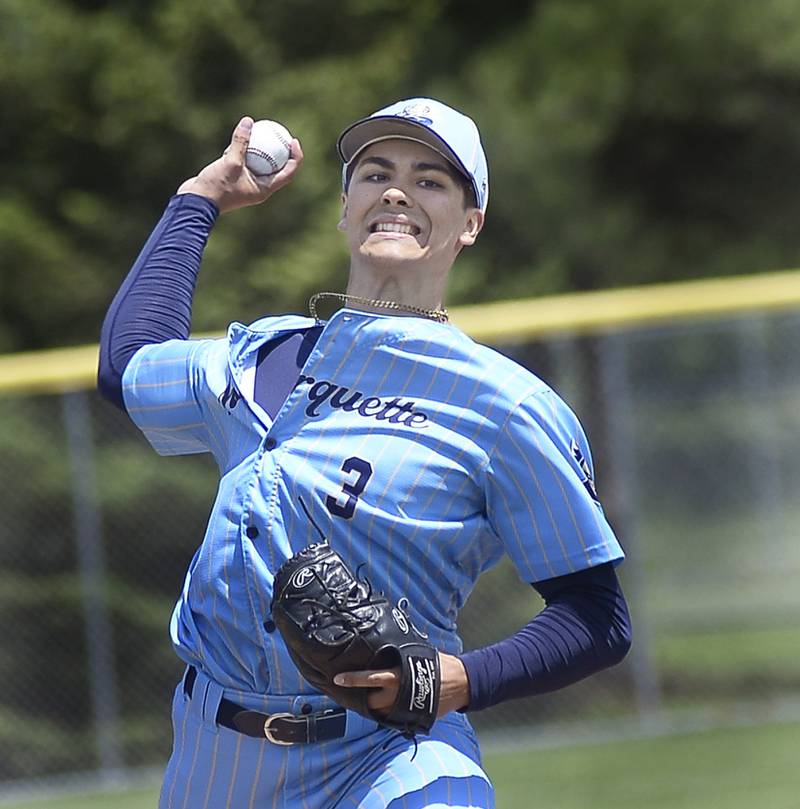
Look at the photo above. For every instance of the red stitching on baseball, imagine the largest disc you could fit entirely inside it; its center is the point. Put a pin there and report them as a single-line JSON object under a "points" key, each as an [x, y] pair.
{"points": [[268, 157]]}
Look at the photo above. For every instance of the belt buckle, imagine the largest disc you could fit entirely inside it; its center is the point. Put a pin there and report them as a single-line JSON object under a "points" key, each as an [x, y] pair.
{"points": [[268, 729]]}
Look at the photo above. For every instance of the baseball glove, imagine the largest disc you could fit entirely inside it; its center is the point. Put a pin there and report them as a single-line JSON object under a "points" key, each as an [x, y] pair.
{"points": [[333, 622]]}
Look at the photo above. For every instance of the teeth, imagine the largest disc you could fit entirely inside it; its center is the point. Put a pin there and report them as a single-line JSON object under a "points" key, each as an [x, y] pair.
{"points": [[394, 227]]}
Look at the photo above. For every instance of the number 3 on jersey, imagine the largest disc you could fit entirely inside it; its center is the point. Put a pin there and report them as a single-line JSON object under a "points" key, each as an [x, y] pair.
{"points": [[359, 472]]}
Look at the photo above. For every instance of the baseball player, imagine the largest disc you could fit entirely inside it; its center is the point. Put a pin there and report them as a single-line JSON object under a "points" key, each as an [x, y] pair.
{"points": [[421, 456]]}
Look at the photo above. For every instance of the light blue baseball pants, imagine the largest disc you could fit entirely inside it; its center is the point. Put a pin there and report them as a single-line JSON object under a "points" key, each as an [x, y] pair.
{"points": [[212, 767]]}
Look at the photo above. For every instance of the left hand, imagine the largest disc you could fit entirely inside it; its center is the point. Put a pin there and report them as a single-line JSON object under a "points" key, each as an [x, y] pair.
{"points": [[453, 693]]}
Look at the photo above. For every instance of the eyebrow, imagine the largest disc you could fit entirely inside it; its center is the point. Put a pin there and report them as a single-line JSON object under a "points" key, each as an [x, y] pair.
{"points": [[419, 166]]}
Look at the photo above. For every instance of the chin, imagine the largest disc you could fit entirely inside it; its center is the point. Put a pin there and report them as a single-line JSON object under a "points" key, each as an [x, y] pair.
{"points": [[392, 253]]}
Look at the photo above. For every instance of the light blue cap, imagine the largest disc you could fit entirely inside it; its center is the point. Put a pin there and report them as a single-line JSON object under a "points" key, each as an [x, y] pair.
{"points": [[425, 120]]}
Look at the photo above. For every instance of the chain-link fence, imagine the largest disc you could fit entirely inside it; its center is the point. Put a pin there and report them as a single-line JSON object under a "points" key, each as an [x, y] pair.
{"points": [[695, 431]]}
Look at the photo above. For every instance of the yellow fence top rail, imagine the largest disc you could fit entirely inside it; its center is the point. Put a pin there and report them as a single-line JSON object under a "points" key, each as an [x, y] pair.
{"points": [[65, 369], [615, 309]]}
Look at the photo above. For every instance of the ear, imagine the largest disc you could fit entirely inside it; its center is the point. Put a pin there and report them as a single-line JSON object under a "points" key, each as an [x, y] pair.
{"points": [[472, 227], [342, 225]]}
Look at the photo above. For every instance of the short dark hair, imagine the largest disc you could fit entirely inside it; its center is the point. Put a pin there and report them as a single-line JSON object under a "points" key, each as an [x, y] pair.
{"points": [[467, 188]]}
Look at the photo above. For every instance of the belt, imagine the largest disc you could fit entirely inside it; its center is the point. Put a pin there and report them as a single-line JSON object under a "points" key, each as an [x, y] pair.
{"points": [[278, 728]]}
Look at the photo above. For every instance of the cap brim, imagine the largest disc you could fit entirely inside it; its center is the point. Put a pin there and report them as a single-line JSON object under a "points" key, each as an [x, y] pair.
{"points": [[367, 131]]}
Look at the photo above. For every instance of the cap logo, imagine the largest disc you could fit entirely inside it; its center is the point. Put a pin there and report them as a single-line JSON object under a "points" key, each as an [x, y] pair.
{"points": [[418, 112]]}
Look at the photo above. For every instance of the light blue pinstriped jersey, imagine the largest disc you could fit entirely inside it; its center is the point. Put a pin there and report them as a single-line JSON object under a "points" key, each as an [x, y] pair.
{"points": [[418, 452]]}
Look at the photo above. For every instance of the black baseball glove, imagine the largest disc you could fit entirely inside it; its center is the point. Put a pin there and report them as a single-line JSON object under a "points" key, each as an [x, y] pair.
{"points": [[333, 622]]}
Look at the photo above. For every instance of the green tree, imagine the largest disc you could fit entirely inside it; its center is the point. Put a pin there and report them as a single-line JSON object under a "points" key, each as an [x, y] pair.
{"points": [[639, 141], [628, 141]]}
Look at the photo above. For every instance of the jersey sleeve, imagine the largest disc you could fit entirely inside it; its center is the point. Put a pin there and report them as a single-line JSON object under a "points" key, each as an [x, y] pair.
{"points": [[166, 388], [541, 500]]}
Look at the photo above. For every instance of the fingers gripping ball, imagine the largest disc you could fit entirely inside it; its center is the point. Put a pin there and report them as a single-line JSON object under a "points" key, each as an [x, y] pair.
{"points": [[333, 622], [269, 148]]}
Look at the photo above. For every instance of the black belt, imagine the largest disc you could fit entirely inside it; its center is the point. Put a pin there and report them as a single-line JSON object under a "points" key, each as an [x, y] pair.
{"points": [[278, 728]]}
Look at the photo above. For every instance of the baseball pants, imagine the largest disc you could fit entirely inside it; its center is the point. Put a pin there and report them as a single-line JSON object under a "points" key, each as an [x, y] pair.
{"points": [[370, 767]]}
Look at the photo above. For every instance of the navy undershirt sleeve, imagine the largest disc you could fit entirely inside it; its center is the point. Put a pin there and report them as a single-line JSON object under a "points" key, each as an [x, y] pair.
{"points": [[154, 304], [583, 628]]}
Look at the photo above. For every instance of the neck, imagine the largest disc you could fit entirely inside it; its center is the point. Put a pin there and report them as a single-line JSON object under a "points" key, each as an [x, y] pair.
{"points": [[422, 293]]}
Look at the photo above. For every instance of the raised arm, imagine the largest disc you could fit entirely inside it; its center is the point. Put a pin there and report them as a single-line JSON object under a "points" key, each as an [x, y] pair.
{"points": [[154, 303]]}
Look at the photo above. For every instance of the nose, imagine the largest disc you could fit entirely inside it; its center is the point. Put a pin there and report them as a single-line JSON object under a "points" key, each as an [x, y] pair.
{"points": [[395, 196]]}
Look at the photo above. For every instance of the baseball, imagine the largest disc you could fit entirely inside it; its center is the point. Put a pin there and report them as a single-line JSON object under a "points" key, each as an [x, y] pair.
{"points": [[269, 147]]}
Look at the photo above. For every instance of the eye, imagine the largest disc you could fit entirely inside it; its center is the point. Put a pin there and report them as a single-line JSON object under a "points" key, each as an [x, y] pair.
{"points": [[375, 177], [427, 182]]}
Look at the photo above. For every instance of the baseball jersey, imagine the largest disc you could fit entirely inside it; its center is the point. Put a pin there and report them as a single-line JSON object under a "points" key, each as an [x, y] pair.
{"points": [[418, 452]]}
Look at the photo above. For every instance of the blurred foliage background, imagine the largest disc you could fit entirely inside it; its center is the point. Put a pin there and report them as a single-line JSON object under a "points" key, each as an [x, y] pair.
{"points": [[629, 141]]}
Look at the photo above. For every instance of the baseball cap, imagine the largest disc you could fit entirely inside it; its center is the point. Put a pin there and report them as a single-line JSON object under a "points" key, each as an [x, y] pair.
{"points": [[427, 121]]}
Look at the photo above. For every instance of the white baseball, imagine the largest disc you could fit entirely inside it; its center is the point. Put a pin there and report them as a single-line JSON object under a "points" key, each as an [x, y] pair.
{"points": [[269, 147]]}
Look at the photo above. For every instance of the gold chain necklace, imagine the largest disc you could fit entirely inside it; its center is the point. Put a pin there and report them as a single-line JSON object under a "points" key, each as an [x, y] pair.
{"points": [[440, 315]]}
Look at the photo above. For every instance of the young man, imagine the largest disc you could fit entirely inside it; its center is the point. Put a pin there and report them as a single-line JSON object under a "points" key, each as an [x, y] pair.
{"points": [[421, 454]]}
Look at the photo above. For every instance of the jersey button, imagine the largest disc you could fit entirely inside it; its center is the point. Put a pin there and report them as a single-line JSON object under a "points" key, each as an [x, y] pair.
{"points": [[269, 625], [271, 443], [252, 531]]}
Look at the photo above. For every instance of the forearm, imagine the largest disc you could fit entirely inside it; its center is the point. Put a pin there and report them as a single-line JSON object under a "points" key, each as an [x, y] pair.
{"points": [[154, 303], [584, 628]]}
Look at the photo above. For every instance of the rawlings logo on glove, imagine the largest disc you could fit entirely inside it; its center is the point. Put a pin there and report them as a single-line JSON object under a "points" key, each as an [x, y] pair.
{"points": [[333, 622]]}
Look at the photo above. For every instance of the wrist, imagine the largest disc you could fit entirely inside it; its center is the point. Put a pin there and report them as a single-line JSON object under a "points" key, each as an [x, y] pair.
{"points": [[195, 185], [454, 687]]}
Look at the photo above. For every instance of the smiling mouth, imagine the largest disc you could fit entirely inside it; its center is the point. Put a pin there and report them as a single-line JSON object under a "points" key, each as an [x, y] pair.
{"points": [[394, 227]]}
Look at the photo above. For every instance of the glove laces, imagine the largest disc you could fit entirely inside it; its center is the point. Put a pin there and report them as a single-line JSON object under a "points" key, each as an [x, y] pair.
{"points": [[349, 600]]}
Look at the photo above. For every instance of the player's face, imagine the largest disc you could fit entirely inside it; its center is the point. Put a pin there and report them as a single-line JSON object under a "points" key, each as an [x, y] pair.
{"points": [[404, 204]]}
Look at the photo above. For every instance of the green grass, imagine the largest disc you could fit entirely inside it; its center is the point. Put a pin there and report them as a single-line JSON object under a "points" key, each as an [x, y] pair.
{"points": [[134, 799], [738, 768], [735, 652]]}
